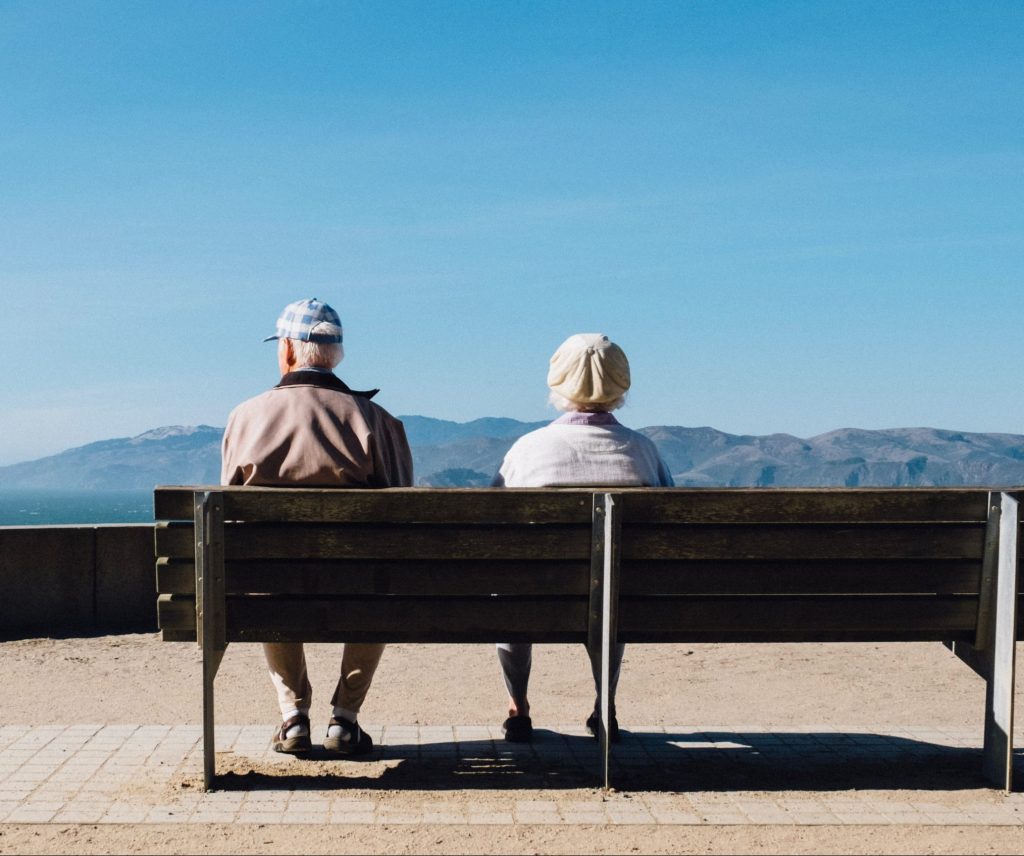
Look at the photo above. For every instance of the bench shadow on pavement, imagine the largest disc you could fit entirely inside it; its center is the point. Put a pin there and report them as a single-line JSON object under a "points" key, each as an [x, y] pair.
{"points": [[685, 761]]}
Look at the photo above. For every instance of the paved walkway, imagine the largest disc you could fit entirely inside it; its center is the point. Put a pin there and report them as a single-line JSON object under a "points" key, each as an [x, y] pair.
{"points": [[468, 774]]}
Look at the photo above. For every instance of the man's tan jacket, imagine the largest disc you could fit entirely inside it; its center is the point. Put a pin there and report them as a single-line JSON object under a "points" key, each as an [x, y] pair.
{"points": [[314, 431]]}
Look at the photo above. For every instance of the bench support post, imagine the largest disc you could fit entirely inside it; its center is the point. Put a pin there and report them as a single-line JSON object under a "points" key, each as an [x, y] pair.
{"points": [[210, 608], [998, 758], [993, 653], [604, 598]]}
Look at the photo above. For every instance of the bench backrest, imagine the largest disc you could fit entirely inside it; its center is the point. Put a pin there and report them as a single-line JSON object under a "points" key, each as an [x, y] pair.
{"points": [[802, 565], [385, 565], [482, 565]]}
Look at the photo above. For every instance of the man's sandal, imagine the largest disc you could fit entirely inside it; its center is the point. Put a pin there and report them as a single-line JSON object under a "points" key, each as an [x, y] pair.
{"points": [[351, 741], [297, 745]]}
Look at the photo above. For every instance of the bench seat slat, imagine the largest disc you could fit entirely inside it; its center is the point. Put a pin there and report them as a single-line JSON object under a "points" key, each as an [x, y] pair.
{"points": [[556, 541], [784, 618], [777, 618], [397, 505], [928, 576], [767, 505], [379, 541], [176, 617], [803, 541], [902, 633], [386, 577], [403, 505], [175, 576], [412, 619], [173, 539]]}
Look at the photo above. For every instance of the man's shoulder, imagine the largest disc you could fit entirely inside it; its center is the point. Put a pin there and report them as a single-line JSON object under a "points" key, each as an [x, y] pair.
{"points": [[372, 409], [276, 395], [253, 403]]}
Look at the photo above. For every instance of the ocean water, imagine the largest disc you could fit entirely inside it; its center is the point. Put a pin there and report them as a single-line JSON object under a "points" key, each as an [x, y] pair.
{"points": [[37, 507]]}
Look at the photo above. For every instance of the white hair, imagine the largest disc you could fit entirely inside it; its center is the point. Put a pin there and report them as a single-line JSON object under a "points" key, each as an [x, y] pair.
{"points": [[318, 354], [560, 402]]}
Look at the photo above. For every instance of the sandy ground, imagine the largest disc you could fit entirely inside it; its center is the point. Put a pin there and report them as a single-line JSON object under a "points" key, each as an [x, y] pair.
{"points": [[692, 840], [138, 679]]}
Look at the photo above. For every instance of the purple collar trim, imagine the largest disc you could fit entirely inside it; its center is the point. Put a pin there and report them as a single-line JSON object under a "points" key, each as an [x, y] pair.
{"points": [[576, 418]]}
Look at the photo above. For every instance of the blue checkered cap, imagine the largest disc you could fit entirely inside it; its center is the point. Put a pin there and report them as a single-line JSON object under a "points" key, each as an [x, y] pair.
{"points": [[301, 320]]}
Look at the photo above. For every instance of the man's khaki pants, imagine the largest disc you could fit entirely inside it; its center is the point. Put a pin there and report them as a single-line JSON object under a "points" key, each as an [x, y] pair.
{"points": [[287, 664]]}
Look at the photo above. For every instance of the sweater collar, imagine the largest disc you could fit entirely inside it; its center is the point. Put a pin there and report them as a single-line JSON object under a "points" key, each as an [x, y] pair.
{"points": [[579, 418], [326, 380]]}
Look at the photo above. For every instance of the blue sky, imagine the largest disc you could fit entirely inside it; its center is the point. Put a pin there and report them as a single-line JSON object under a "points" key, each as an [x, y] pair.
{"points": [[793, 216]]}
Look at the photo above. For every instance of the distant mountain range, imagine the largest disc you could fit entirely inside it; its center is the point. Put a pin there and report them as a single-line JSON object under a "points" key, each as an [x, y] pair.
{"points": [[461, 454]]}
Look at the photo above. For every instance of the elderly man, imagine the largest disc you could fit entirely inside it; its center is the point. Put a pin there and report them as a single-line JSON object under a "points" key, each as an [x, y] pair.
{"points": [[588, 377], [312, 430]]}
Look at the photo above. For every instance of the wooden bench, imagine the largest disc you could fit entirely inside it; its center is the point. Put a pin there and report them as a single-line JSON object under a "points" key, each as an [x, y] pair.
{"points": [[583, 565]]}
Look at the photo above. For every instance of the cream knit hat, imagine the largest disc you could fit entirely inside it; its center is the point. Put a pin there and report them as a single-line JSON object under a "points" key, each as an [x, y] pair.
{"points": [[589, 368]]}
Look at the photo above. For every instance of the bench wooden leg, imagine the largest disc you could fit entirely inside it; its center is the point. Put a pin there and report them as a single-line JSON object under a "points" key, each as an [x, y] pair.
{"points": [[998, 752], [210, 612], [993, 655], [603, 630], [211, 662]]}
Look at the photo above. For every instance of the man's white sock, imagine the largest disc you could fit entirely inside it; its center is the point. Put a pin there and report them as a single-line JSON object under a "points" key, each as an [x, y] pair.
{"points": [[295, 730], [337, 730]]}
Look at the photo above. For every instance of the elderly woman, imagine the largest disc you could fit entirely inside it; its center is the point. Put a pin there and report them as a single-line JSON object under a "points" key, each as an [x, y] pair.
{"points": [[586, 446]]}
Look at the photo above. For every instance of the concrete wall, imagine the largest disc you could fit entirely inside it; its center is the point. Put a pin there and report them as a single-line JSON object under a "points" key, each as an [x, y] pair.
{"points": [[76, 580]]}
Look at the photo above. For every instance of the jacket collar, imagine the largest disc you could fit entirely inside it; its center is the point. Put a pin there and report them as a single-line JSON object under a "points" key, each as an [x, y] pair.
{"points": [[326, 380], [583, 418]]}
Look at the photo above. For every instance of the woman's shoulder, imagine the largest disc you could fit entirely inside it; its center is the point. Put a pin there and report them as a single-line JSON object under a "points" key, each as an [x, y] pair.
{"points": [[538, 436]]}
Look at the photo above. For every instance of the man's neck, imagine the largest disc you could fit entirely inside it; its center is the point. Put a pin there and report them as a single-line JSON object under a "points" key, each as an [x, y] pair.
{"points": [[319, 369]]}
